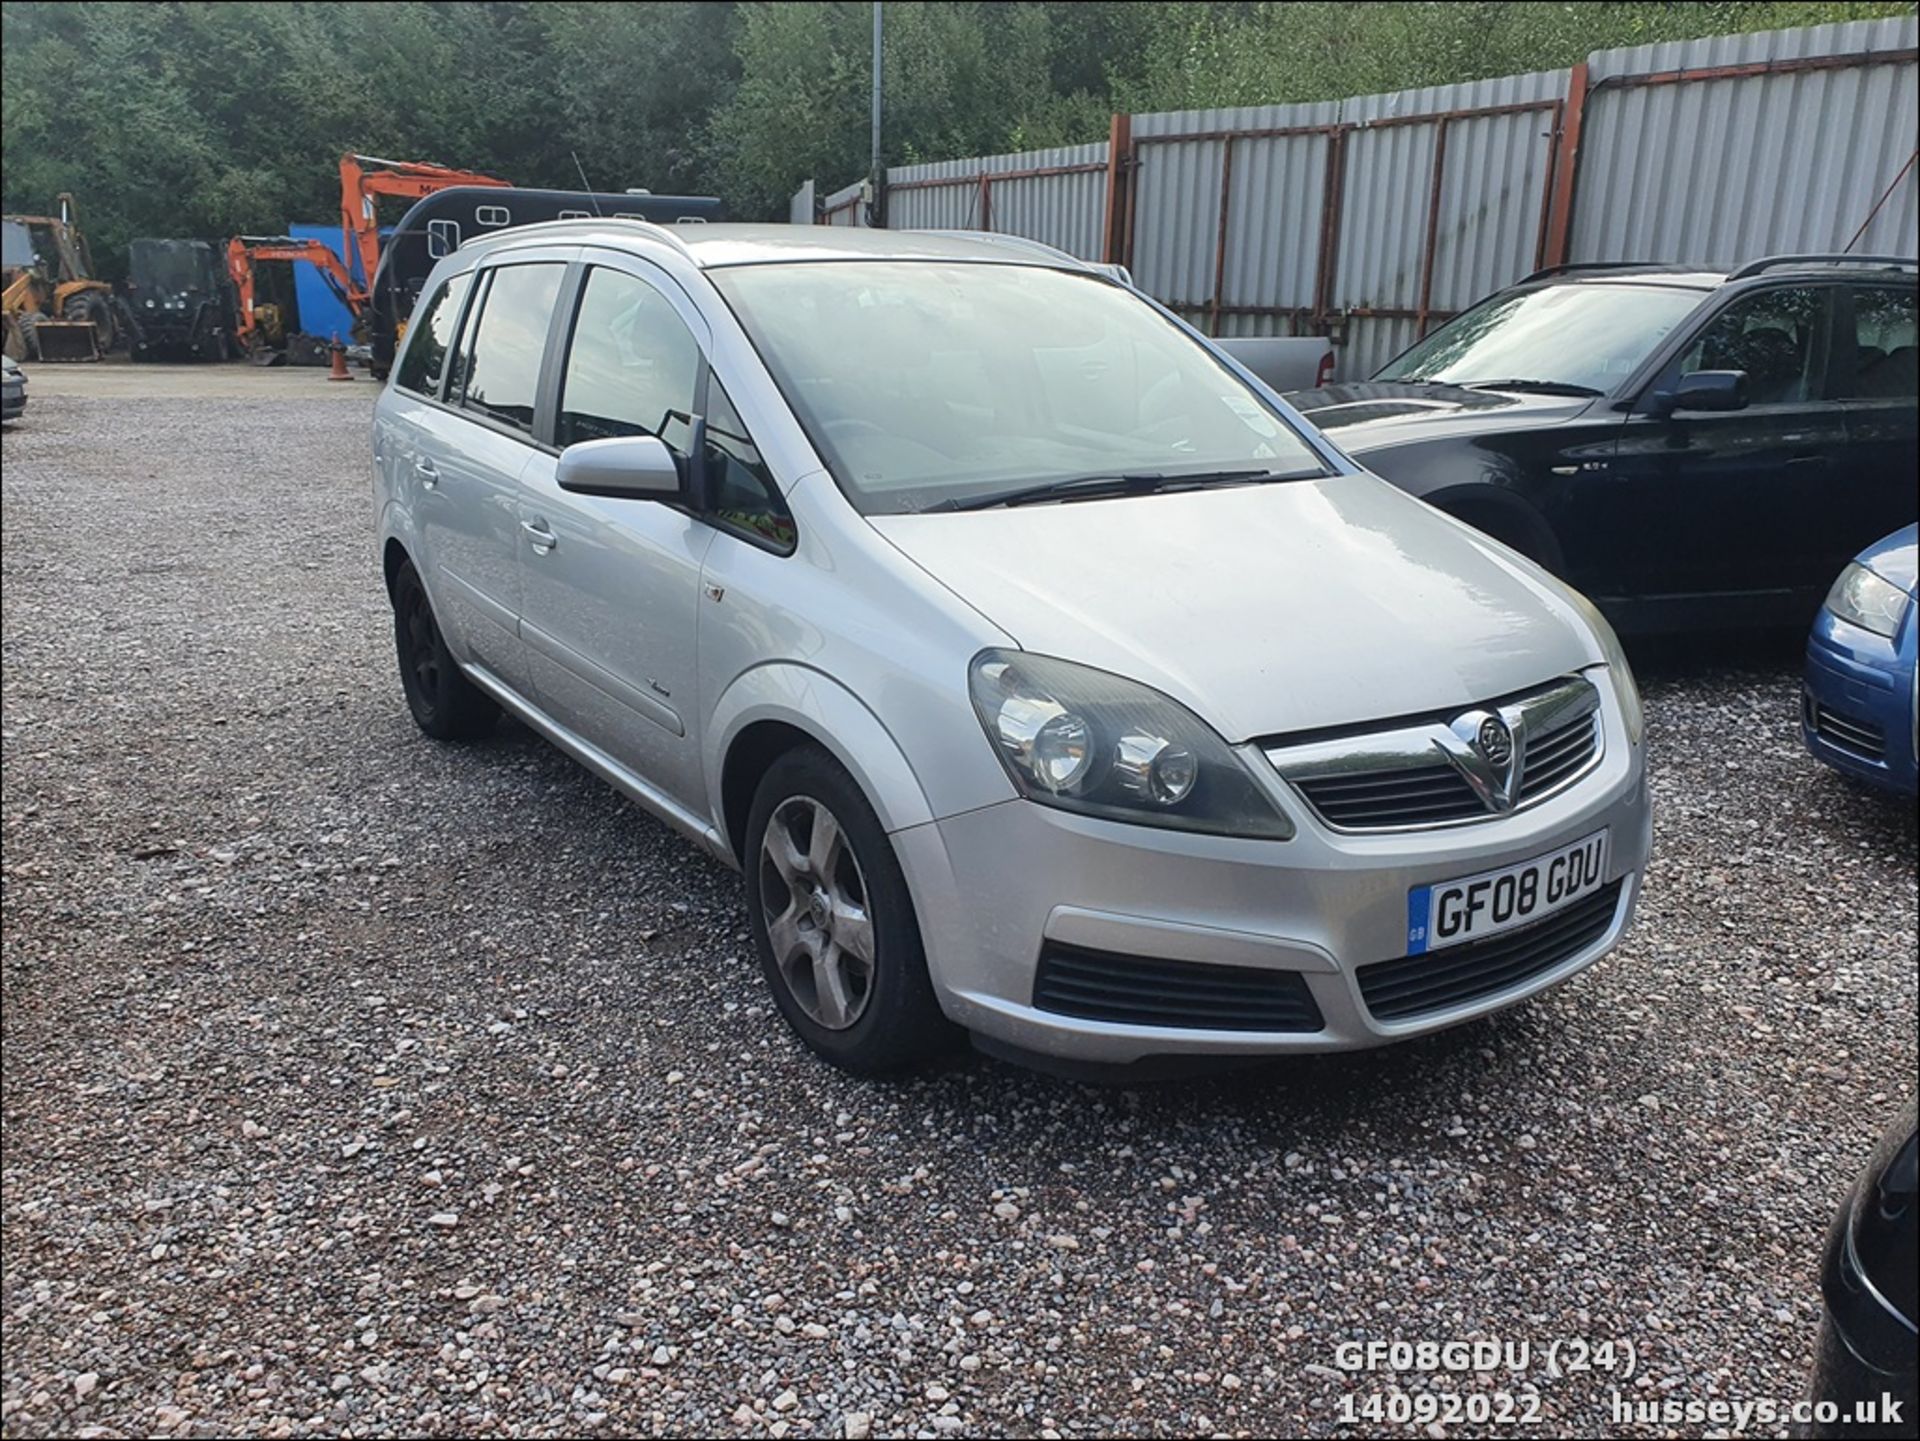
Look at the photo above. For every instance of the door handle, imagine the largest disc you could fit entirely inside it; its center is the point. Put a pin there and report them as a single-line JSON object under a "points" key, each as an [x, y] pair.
{"points": [[543, 539], [429, 476]]}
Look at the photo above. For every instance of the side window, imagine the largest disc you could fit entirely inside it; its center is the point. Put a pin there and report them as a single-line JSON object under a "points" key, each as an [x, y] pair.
{"points": [[1883, 345], [1777, 336], [443, 237], [503, 362], [431, 338], [741, 492], [463, 346], [631, 364]]}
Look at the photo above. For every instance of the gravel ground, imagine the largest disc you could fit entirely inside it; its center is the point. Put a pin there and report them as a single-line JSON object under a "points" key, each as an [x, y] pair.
{"points": [[359, 1084]]}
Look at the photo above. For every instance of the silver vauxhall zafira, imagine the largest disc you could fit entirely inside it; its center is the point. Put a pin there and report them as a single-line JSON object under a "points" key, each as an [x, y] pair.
{"points": [[1046, 676]]}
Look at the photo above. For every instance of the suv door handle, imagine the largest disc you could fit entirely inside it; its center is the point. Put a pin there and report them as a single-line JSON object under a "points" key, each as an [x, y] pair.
{"points": [[543, 539], [429, 476]]}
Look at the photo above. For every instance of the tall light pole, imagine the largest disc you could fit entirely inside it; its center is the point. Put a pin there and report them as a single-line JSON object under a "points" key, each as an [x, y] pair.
{"points": [[876, 177]]}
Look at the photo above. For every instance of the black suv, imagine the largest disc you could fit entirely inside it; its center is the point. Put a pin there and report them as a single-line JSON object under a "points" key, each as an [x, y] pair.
{"points": [[1691, 449]]}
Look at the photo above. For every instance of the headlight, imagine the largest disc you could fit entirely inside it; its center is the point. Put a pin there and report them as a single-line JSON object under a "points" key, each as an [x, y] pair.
{"points": [[1861, 598], [1625, 690], [1084, 740]]}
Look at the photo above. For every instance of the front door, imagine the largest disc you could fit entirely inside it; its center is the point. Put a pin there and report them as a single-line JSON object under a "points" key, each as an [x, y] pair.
{"points": [[1717, 505], [1875, 376], [611, 587]]}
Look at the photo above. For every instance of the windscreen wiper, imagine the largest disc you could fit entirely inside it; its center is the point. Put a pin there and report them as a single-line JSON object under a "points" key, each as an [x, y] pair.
{"points": [[1533, 387], [1099, 487]]}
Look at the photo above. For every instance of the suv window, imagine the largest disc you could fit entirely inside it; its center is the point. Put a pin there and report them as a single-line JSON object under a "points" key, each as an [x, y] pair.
{"points": [[741, 492], [1883, 339], [1591, 336], [631, 364], [509, 338], [426, 358], [1777, 336]]}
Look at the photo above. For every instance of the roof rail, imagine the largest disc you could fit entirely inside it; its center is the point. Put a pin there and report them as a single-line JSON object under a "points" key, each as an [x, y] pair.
{"points": [[1864, 262], [1036, 247], [661, 230], [1597, 265]]}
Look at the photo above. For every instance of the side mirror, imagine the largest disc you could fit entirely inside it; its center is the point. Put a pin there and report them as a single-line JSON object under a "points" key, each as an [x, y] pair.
{"points": [[622, 467], [1711, 390]]}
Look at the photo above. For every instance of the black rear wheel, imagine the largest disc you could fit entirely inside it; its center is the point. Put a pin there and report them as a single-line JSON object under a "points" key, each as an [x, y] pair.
{"points": [[445, 704]]}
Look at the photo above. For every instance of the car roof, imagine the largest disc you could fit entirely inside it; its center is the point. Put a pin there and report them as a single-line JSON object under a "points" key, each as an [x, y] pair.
{"points": [[1690, 277], [1695, 277], [713, 246]]}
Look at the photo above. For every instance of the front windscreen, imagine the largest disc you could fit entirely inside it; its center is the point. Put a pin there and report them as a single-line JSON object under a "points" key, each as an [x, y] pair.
{"points": [[171, 267], [928, 383], [16, 246], [1588, 336]]}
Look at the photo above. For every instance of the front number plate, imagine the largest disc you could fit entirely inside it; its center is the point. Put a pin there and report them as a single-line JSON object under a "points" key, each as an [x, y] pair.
{"points": [[1449, 912]]}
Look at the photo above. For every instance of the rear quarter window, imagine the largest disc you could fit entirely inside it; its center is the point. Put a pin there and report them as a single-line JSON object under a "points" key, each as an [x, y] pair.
{"points": [[430, 338]]}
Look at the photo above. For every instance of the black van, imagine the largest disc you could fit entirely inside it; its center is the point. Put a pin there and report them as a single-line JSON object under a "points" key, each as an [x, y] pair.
{"points": [[436, 226]]}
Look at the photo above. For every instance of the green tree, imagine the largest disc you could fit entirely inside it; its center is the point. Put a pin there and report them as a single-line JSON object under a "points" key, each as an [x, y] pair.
{"points": [[1198, 56], [214, 118]]}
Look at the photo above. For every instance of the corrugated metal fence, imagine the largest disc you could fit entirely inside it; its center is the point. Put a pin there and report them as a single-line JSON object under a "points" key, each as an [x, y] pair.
{"points": [[1374, 218]]}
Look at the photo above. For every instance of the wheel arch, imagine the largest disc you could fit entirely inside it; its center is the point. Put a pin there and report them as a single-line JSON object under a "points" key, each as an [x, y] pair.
{"points": [[1507, 517], [773, 708], [393, 555]]}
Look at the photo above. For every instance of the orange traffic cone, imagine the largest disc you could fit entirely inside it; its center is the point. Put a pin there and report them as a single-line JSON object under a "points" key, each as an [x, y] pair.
{"points": [[339, 370]]}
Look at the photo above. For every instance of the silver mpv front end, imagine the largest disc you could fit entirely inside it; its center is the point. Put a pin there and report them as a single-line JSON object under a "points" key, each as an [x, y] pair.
{"points": [[1176, 943], [1043, 673]]}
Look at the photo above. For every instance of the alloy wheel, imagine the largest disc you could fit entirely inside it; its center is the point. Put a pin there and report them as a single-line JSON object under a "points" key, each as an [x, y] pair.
{"points": [[814, 899]]}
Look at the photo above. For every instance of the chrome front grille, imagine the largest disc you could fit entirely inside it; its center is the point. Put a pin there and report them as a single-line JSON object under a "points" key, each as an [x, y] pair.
{"points": [[1555, 758], [1440, 771], [1416, 795]]}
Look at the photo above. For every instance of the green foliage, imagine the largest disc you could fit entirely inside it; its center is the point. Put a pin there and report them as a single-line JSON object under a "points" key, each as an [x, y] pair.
{"points": [[211, 119], [1203, 55], [216, 119]]}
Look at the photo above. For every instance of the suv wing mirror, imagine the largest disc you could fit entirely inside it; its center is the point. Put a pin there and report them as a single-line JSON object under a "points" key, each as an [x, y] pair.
{"points": [[1708, 390], [622, 467]]}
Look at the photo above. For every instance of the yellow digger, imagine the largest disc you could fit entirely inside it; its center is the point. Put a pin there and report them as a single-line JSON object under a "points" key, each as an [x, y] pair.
{"points": [[53, 306]]}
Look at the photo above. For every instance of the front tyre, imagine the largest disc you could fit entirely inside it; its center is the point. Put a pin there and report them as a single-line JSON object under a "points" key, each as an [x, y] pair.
{"points": [[445, 704], [833, 921]]}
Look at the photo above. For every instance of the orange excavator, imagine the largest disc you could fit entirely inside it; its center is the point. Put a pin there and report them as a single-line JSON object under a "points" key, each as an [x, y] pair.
{"points": [[363, 180], [252, 329]]}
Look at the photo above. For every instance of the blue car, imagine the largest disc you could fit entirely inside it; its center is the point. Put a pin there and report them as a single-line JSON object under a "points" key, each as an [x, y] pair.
{"points": [[1858, 706]]}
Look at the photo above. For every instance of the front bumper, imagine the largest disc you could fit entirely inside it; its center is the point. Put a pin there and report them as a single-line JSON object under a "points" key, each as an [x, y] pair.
{"points": [[156, 328], [1857, 708], [995, 886]]}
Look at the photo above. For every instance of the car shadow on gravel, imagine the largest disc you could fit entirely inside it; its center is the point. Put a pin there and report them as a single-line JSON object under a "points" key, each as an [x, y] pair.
{"points": [[1398, 1090]]}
